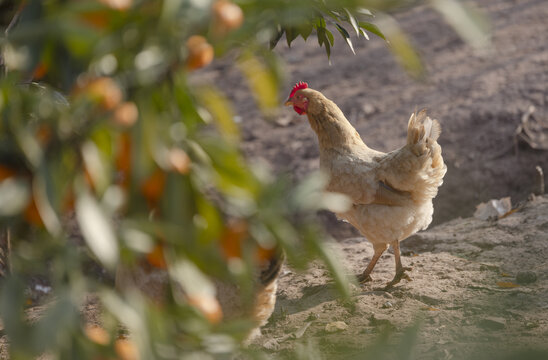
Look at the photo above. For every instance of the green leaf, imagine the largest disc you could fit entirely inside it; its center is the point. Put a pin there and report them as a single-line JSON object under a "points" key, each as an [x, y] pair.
{"points": [[290, 35], [401, 47], [352, 20], [14, 196], [372, 28], [323, 40], [97, 229], [191, 279], [320, 22], [332, 260], [346, 37], [57, 324], [12, 302], [261, 80], [306, 30], [278, 35], [221, 110], [95, 166], [467, 21], [364, 11], [330, 37]]}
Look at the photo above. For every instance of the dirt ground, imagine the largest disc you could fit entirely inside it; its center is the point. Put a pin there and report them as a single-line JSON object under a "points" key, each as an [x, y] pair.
{"points": [[479, 288], [479, 291]]}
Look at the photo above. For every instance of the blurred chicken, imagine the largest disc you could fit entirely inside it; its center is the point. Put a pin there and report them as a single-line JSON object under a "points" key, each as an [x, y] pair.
{"points": [[391, 192], [151, 278]]}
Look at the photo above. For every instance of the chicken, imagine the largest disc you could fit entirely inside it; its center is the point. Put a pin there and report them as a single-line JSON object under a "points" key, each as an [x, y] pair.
{"points": [[151, 279], [391, 193]]}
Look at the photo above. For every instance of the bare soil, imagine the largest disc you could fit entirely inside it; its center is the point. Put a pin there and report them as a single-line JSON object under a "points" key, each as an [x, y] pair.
{"points": [[479, 291]]}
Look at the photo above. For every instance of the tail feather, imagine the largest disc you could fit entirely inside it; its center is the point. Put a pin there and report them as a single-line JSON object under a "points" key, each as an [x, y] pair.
{"points": [[422, 128]]}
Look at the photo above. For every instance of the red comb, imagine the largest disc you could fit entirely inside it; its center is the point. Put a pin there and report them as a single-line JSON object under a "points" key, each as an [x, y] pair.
{"points": [[298, 86]]}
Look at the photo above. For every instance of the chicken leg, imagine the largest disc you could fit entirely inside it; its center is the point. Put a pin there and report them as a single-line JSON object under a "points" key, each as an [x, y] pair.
{"points": [[400, 269], [365, 276]]}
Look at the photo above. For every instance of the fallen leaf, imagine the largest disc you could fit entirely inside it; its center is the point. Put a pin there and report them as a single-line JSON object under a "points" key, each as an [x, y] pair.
{"points": [[506, 284]]}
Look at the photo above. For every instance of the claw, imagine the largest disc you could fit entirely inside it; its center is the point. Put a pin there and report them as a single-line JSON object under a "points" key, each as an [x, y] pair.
{"points": [[400, 274], [362, 279]]}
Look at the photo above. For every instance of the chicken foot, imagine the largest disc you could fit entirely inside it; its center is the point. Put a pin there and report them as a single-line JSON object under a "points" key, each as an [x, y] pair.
{"points": [[366, 275], [400, 269]]}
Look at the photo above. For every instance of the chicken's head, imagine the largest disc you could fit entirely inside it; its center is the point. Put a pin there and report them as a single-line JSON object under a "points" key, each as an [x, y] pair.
{"points": [[298, 100]]}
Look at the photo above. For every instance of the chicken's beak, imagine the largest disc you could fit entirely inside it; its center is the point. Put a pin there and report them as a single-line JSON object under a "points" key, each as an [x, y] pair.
{"points": [[288, 102]]}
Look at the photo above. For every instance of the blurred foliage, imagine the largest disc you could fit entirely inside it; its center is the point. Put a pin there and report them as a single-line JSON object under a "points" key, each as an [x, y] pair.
{"points": [[100, 126]]}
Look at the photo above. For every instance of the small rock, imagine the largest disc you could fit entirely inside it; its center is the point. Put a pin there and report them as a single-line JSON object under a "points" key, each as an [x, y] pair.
{"points": [[492, 323], [336, 326], [387, 305], [526, 277], [284, 121], [369, 109], [271, 344]]}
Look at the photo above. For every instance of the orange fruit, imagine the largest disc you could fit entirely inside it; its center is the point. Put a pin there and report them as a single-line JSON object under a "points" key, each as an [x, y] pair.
{"points": [[104, 90], [97, 18], [200, 52], [227, 16], [97, 334], [153, 187], [126, 349], [40, 71], [126, 114], [156, 257], [123, 160]]}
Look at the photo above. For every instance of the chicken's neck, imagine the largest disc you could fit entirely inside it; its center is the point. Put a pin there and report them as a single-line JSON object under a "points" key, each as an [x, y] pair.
{"points": [[332, 128]]}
